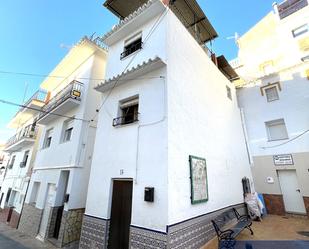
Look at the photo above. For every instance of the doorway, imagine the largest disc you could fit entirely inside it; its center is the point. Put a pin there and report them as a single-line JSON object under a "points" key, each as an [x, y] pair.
{"points": [[292, 196], [51, 192], [119, 232]]}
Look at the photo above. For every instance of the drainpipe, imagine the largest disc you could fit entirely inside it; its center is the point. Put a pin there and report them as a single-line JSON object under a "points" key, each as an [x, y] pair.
{"points": [[243, 124]]}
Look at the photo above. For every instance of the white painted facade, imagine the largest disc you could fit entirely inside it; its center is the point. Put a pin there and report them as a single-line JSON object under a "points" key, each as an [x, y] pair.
{"points": [[73, 156], [17, 176], [286, 52], [183, 110]]}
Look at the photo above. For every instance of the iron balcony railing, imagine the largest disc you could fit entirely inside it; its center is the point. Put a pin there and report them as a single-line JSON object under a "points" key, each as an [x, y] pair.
{"points": [[130, 50], [29, 131], [71, 91], [289, 7], [128, 119]]}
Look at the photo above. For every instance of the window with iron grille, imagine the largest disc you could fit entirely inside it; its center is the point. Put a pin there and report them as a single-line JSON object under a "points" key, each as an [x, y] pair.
{"points": [[128, 112], [132, 45]]}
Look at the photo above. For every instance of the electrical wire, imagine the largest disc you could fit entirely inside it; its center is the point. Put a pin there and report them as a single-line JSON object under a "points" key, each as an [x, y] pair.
{"points": [[41, 111], [153, 28], [286, 142], [62, 77]]}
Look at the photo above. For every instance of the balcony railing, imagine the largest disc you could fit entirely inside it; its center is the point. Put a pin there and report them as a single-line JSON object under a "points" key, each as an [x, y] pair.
{"points": [[289, 7], [29, 131], [71, 91], [130, 50], [128, 119]]}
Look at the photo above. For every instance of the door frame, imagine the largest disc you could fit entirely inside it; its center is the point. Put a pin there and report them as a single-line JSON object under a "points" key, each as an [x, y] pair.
{"points": [[111, 199], [294, 171]]}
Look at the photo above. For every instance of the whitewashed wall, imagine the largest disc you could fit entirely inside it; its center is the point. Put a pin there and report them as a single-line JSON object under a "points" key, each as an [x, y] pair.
{"points": [[204, 122]]}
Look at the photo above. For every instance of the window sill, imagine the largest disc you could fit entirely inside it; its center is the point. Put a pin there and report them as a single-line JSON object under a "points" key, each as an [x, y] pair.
{"points": [[269, 101], [65, 142], [281, 139], [125, 125]]}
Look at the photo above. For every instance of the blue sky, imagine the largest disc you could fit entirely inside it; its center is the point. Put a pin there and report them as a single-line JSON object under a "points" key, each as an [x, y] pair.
{"points": [[32, 32]]}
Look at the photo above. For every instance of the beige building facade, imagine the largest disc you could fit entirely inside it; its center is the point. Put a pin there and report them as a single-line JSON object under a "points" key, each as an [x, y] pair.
{"points": [[273, 96]]}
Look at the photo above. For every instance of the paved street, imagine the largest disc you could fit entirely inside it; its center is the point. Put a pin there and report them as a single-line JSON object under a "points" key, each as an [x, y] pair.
{"points": [[274, 228], [13, 239]]}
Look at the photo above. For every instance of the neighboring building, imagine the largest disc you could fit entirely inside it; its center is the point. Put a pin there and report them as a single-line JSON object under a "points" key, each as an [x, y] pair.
{"points": [[56, 199], [4, 159], [21, 149], [274, 95], [164, 101]]}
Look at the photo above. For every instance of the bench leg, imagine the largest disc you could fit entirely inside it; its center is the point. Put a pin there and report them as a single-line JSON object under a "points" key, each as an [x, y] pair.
{"points": [[249, 228]]}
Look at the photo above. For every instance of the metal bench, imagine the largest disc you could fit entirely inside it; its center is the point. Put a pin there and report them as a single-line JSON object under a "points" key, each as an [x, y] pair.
{"points": [[229, 225]]}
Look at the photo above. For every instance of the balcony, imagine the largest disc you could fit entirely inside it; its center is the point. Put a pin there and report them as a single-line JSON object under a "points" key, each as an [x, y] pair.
{"points": [[21, 139], [64, 101], [29, 109], [289, 7]]}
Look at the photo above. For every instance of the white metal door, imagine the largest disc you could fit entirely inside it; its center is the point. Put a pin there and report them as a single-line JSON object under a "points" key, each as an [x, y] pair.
{"points": [[292, 197], [47, 207]]}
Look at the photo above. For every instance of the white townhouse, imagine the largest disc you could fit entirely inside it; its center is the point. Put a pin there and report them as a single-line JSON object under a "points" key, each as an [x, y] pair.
{"points": [[273, 64], [4, 159], [21, 149], [56, 198], [168, 113]]}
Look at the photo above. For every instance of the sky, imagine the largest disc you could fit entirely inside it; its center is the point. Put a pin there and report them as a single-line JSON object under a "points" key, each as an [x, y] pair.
{"points": [[36, 34]]}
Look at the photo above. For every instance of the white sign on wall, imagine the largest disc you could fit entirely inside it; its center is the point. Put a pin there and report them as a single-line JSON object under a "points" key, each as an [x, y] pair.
{"points": [[286, 159]]}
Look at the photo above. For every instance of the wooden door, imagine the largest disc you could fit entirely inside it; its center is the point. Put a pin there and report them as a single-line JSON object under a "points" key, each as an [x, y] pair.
{"points": [[120, 215]]}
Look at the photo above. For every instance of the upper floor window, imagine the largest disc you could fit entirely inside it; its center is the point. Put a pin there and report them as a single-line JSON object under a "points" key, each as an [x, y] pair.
{"points": [[300, 30], [132, 45], [11, 164], [271, 91], [276, 130], [67, 130], [128, 110], [48, 138], [229, 92], [25, 159]]}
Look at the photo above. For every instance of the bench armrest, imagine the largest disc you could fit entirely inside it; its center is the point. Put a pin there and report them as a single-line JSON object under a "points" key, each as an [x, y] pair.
{"points": [[227, 235]]}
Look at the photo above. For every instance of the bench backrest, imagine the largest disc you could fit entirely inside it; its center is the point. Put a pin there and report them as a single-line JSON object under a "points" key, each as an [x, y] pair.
{"points": [[223, 219]]}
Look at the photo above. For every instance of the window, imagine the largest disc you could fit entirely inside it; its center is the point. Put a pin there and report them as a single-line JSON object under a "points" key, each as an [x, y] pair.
{"points": [[132, 45], [271, 93], [67, 130], [300, 30], [25, 159], [48, 138], [229, 92], [276, 130], [12, 162], [128, 110]]}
